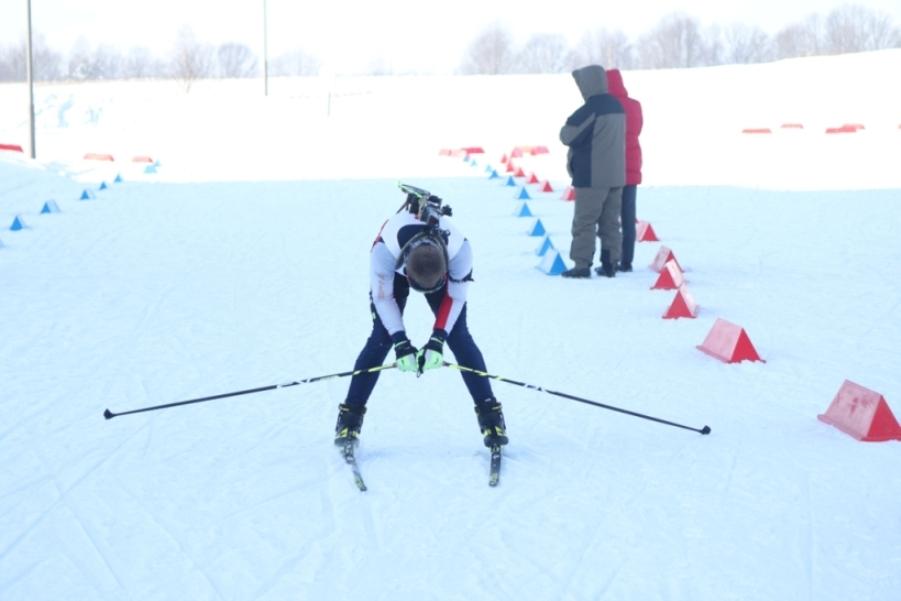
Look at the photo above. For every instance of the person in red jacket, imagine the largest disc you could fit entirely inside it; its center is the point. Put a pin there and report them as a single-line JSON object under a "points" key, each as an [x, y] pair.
{"points": [[634, 120]]}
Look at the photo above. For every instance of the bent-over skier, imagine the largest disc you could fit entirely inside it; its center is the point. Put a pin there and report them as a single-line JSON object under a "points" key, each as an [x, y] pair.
{"points": [[420, 248]]}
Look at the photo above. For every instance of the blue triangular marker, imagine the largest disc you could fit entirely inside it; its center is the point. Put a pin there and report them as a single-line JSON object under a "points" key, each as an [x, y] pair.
{"points": [[538, 229], [524, 194], [17, 225], [493, 175], [103, 186], [545, 246], [488, 169], [552, 264], [86, 195], [118, 179], [523, 211], [50, 207], [510, 181]]}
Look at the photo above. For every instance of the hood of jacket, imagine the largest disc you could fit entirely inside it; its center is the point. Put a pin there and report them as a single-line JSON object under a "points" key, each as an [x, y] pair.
{"points": [[591, 80], [615, 83]]}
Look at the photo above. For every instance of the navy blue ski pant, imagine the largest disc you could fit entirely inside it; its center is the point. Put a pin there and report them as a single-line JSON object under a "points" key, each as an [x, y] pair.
{"points": [[459, 340]]}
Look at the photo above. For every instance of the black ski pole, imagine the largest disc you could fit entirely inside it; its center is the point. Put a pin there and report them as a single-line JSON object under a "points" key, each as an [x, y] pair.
{"points": [[109, 414], [704, 430]]}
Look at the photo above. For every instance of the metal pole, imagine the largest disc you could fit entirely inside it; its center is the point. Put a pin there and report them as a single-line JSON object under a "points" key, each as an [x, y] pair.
{"points": [[265, 51], [30, 77]]}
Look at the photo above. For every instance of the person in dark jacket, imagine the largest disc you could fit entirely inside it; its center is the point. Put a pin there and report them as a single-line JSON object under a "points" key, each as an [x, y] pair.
{"points": [[596, 161], [634, 122]]}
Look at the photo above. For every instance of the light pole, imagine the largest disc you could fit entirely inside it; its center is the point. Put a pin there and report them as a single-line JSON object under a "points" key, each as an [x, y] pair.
{"points": [[265, 52], [30, 77]]}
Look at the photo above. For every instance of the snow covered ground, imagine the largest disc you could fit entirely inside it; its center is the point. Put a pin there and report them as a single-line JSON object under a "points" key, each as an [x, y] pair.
{"points": [[242, 262]]}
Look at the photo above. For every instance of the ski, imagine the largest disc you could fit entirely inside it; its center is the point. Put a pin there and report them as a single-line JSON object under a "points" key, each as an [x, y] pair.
{"points": [[495, 472], [347, 452]]}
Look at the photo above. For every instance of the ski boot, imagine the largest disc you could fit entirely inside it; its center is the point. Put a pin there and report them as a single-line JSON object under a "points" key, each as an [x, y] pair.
{"points": [[577, 272], [350, 421], [491, 421]]}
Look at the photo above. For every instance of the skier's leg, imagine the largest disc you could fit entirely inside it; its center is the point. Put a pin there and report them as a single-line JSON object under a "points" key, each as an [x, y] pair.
{"points": [[351, 411], [489, 412]]}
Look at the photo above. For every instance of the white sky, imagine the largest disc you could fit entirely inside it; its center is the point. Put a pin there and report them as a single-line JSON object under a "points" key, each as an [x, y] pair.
{"points": [[407, 34]]}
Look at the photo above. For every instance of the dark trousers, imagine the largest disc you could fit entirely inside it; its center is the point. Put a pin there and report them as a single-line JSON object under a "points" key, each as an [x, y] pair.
{"points": [[459, 340], [628, 213]]}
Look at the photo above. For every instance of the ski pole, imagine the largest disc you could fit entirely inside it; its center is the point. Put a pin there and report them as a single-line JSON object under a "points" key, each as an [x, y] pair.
{"points": [[704, 430], [109, 414]]}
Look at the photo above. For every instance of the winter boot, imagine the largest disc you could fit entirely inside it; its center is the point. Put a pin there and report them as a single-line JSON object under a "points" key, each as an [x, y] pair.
{"points": [[350, 421], [626, 267], [491, 421], [577, 272], [607, 268]]}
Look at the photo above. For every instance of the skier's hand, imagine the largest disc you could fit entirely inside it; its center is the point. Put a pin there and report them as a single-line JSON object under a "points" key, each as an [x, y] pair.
{"points": [[431, 356], [406, 353]]}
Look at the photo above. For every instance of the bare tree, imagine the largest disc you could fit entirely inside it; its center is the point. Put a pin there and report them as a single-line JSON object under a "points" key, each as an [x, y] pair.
{"points": [[140, 63], [47, 62], [7, 64], [746, 44], [604, 47], [108, 62], [236, 60], [491, 53], [80, 65], [675, 42], [192, 60], [854, 28], [544, 53], [799, 39], [297, 62], [713, 47]]}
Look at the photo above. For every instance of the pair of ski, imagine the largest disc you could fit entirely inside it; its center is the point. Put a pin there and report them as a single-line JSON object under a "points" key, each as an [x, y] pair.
{"points": [[347, 452]]}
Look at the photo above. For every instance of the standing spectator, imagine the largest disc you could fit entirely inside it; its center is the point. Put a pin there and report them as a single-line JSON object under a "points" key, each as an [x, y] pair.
{"points": [[596, 162], [634, 121]]}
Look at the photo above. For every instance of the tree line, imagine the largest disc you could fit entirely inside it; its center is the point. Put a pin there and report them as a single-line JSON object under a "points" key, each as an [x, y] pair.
{"points": [[677, 41]]}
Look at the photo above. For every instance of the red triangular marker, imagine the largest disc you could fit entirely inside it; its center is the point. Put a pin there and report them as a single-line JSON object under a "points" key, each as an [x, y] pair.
{"points": [[664, 255], [862, 413], [646, 233], [683, 305], [729, 342], [670, 277]]}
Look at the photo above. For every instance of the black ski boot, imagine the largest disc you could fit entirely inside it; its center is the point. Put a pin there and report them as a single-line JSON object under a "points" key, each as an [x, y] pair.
{"points": [[491, 421], [350, 421], [608, 267], [577, 272]]}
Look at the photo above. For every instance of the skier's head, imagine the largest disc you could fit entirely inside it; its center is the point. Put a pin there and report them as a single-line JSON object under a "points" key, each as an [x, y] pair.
{"points": [[425, 263]]}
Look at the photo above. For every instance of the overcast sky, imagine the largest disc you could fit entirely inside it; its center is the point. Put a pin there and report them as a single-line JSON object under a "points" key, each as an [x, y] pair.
{"points": [[407, 34]]}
